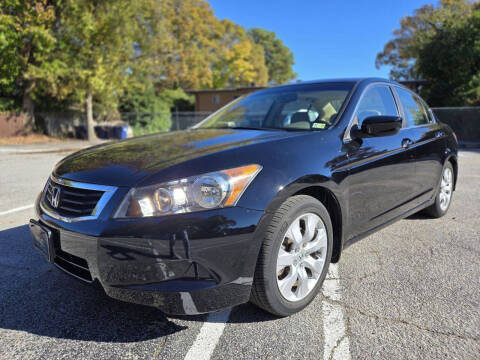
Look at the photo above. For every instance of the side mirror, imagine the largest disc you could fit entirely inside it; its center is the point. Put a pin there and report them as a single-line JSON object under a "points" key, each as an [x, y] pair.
{"points": [[380, 125]]}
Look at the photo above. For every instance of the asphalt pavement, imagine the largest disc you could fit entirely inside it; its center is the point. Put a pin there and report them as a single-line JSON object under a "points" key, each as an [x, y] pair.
{"points": [[410, 291]]}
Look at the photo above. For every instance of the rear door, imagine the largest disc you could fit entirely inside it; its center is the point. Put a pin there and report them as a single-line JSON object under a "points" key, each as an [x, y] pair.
{"points": [[428, 144], [381, 169]]}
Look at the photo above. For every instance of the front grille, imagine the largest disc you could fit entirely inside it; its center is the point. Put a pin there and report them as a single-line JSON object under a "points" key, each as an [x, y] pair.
{"points": [[72, 201]]}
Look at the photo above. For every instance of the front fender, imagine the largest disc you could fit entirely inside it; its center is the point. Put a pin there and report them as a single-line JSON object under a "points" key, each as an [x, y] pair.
{"points": [[298, 186]]}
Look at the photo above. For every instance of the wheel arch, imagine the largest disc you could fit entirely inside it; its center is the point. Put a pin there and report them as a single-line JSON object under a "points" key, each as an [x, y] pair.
{"points": [[329, 200], [453, 160]]}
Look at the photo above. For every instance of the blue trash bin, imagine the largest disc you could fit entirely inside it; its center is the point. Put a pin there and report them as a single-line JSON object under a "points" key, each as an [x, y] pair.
{"points": [[123, 131], [101, 131]]}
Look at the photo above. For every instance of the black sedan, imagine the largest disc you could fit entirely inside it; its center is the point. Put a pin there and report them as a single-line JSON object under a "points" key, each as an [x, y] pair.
{"points": [[253, 203]]}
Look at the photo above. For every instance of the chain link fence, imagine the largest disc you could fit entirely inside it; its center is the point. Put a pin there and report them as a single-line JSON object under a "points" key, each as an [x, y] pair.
{"points": [[72, 124], [167, 121], [465, 121], [183, 120]]}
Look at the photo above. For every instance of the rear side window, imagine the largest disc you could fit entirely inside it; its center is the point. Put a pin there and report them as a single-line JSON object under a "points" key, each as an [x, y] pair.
{"points": [[377, 100], [415, 112], [426, 109]]}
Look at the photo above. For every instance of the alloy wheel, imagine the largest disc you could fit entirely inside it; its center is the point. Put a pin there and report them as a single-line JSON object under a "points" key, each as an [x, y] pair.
{"points": [[446, 187], [301, 257]]}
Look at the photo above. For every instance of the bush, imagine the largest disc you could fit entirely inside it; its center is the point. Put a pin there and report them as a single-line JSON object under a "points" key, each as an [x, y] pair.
{"points": [[145, 123], [149, 112]]}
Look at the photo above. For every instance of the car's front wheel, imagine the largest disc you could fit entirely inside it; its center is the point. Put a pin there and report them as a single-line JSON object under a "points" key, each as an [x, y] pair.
{"points": [[294, 257]]}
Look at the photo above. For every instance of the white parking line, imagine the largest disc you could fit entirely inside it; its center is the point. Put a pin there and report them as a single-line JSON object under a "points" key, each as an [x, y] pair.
{"points": [[337, 344], [16, 209], [209, 335]]}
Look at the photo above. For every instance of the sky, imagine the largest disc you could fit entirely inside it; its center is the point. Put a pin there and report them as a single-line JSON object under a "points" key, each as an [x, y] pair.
{"points": [[329, 38]]}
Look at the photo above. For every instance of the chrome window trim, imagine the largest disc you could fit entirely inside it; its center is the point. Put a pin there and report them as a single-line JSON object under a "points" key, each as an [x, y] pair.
{"points": [[108, 192], [346, 137]]}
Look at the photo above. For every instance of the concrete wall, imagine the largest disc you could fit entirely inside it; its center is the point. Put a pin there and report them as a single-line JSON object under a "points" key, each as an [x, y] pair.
{"points": [[465, 121], [11, 124], [62, 124]]}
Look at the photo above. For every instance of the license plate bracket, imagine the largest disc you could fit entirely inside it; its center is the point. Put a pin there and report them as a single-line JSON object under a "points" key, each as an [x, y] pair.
{"points": [[42, 239]]}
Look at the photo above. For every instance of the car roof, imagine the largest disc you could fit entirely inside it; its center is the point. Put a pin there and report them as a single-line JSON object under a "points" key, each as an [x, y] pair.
{"points": [[365, 80]]}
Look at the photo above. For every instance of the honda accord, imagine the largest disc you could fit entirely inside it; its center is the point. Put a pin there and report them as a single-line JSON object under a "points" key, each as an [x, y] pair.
{"points": [[251, 204]]}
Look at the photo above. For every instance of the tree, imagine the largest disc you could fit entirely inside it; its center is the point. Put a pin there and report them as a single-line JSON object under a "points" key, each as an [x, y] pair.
{"points": [[26, 43], [97, 40], [278, 57], [190, 32], [449, 61], [106, 55], [440, 45], [240, 62]]}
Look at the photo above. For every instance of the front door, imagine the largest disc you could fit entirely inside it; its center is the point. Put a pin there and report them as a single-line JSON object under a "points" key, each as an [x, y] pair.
{"points": [[381, 170]]}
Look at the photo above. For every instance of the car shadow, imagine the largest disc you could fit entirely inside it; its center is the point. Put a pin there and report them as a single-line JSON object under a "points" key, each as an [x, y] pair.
{"points": [[420, 216], [471, 149], [240, 314], [37, 298], [249, 313]]}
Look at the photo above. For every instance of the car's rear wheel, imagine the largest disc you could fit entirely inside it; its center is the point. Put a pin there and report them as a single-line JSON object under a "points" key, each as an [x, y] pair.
{"points": [[444, 193], [294, 257]]}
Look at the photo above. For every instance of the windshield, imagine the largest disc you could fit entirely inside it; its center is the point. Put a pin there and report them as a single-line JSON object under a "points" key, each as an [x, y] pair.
{"points": [[298, 107]]}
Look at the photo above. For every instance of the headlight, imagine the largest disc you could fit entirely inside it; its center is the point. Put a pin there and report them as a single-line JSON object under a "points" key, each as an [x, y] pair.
{"points": [[207, 191]]}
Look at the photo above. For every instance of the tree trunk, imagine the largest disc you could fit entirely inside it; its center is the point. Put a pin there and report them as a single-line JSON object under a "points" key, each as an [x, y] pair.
{"points": [[91, 136], [28, 107]]}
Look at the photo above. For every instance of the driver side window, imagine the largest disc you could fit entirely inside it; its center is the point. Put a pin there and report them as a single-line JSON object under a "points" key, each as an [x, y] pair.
{"points": [[376, 101]]}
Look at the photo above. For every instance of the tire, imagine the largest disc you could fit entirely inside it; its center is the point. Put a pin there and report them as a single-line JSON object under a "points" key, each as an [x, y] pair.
{"points": [[437, 209], [266, 292]]}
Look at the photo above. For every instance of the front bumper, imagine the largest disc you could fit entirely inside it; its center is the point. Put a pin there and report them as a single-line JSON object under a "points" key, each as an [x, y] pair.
{"points": [[182, 264]]}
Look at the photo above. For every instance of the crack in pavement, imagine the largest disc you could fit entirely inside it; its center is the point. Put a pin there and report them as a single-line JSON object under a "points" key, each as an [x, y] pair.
{"points": [[400, 321], [379, 267], [170, 328], [336, 341], [337, 344], [159, 349], [376, 271]]}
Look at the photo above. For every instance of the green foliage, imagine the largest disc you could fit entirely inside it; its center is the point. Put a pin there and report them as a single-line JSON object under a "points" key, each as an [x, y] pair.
{"points": [[97, 46], [278, 57], [241, 61], [442, 46], [190, 33], [26, 43], [193, 49], [7, 104], [148, 112], [128, 56], [10, 41]]}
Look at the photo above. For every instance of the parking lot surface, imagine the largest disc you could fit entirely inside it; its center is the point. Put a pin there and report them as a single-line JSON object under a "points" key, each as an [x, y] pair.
{"points": [[410, 291]]}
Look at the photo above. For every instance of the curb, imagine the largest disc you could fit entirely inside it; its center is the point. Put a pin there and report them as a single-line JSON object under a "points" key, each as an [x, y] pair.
{"points": [[39, 151]]}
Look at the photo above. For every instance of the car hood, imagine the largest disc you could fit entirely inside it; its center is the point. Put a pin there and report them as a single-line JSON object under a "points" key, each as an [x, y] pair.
{"points": [[124, 163]]}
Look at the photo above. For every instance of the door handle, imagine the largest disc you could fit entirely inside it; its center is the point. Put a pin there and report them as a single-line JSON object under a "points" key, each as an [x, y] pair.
{"points": [[406, 143]]}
